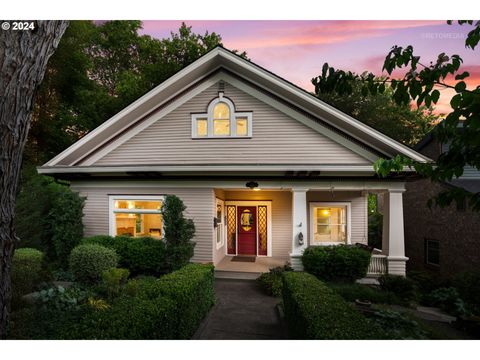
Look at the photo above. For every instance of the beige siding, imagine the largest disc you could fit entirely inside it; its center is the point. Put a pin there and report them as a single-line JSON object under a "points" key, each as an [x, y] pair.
{"points": [[199, 203], [277, 139], [281, 216], [359, 216]]}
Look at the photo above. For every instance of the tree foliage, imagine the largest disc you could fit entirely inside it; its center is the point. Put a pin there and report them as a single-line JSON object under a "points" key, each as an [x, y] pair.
{"points": [[100, 68], [421, 84], [379, 110]]}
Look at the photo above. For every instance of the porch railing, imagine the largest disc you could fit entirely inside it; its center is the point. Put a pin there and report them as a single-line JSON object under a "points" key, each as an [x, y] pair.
{"points": [[378, 265]]}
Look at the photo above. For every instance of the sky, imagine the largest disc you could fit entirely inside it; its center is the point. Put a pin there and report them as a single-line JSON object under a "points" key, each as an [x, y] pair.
{"points": [[297, 50]]}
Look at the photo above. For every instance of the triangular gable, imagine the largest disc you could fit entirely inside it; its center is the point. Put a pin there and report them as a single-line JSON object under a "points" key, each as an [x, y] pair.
{"points": [[200, 72], [278, 138]]}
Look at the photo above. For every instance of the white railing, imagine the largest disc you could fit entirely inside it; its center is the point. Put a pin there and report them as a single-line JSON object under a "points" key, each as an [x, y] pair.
{"points": [[378, 265]]}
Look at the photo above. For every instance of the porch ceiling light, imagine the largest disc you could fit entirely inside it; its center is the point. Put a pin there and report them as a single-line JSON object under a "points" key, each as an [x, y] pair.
{"points": [[252, 185]]}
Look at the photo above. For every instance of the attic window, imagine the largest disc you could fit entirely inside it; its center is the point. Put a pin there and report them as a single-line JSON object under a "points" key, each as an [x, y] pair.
{"points": [[222, 121]]}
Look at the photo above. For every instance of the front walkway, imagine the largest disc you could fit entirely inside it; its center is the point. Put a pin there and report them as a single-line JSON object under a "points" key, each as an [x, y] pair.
{"points": [[242, 312]]}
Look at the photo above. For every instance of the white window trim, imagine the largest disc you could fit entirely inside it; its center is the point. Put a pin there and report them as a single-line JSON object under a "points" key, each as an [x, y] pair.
{"points": [[349, 222], [112, 211], [220, 244], [233, 120]]}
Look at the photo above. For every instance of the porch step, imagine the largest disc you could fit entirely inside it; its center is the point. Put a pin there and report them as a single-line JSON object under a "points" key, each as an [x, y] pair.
{"points": [[223, 274]]}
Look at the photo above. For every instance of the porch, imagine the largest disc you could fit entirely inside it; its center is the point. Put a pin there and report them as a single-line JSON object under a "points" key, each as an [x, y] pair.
{"points": [[275, 225]]}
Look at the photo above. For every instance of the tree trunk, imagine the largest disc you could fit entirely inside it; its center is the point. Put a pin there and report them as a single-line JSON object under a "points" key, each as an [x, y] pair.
{"points": [[23, 61]]}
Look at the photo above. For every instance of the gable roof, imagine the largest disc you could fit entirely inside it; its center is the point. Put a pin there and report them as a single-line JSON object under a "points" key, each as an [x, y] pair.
{"points": [[221, 59]]}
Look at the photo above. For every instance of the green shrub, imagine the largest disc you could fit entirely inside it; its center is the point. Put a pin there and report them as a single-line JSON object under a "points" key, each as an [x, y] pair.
{"points": [[352, 292], [191, 288], [142, 256], [272, 281], [170, 307], [127, 318], [59, 298], [113, 280], [179, 232], [341, 262], [54, 224], [398, 326], [401, 286], [468, 286], [65, 219], [314, 311], [87, 262], [448, 299], [26, 271], [427, 281]]}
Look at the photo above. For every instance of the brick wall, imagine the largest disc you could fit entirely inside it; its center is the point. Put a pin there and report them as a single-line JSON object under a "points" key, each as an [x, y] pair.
{"points": [[458, 232]]}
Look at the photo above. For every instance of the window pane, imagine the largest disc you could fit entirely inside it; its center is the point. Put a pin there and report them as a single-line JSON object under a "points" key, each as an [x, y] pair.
{"points": [[242, 126], [221, 127], [202, 127], [433, 252], [221, 111], [330, 224], [138, 204], [139, 224]]}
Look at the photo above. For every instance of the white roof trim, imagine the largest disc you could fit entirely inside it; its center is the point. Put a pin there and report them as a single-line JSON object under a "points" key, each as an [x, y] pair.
{"points": [[204, 68], [207, 168]]}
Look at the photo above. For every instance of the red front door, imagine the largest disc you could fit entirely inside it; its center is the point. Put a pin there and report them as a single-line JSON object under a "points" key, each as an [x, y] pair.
{"points": [[247, 230]]}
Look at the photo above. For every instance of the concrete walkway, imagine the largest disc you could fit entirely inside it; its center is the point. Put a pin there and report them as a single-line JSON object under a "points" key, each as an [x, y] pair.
{"points": [[242, 312]]}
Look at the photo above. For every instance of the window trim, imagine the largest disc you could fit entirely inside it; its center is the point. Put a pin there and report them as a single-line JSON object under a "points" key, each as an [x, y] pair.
{"points": [[315, 204], [220, 244], [112, 211], [233, 120], [426, 240]]}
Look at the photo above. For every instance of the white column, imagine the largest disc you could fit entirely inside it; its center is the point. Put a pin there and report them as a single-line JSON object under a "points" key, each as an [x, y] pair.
{"points": [[393, 240], [300, 223]]}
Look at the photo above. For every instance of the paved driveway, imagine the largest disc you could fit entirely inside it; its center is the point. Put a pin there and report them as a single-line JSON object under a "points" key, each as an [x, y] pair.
{"points": [[242, 311]]}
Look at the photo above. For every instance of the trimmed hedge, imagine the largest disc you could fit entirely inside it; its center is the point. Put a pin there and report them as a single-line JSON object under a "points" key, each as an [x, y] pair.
{"points": [[401, 286], [142, 256], [170, 307], [26, 271], [338, 262], [191, 288], [314, 311], [352, 292], [89, 261]]}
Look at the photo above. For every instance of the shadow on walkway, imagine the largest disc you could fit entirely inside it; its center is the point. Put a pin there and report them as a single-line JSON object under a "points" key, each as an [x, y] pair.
{"points": [[242, 312]]}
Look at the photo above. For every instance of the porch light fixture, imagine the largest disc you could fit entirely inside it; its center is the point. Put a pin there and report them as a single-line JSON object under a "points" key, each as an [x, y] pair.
{"points": [[252, 185]]}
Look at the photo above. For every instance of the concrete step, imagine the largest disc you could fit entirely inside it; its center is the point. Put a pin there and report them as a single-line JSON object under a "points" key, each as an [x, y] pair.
{"points": [[223, 274]]}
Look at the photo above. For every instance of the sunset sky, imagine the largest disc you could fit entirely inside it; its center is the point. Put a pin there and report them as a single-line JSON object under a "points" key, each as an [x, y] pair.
{"points": [[296, 50]]}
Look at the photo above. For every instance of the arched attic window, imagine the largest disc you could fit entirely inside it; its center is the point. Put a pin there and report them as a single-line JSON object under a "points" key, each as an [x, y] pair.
{"points": [[222, 121]]}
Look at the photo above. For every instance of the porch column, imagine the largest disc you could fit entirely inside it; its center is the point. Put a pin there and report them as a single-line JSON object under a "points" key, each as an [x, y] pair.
{"points": [[300, 223], [393, 241]]}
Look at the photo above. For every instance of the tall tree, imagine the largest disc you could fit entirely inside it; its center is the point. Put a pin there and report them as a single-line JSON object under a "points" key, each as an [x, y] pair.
{"points": [[23, 60], [380, 111], [421, 84]]}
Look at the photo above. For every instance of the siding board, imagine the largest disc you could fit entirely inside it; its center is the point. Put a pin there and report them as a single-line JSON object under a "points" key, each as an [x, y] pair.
{"points": [[277, 139]]}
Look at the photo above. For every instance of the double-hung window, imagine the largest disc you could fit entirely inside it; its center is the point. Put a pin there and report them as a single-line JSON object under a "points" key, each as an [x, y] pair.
{"points": [[329, 223], [136, 216]]}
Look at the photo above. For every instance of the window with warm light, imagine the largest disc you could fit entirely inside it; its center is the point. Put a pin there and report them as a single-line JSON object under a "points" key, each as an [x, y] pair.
{"points": [[222, 121], [329, 223], [136, 216]]}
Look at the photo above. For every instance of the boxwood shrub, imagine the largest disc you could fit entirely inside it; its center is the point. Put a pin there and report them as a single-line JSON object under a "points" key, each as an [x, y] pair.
{"points": [[314, 311], [26, 271], [191, 288], [170, 307], [338, 262], [142, 256], [89, 261]]}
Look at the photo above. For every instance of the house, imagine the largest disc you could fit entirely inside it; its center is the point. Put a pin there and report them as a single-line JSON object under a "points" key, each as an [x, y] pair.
{"points": [[264, 168], [441, 240]]}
